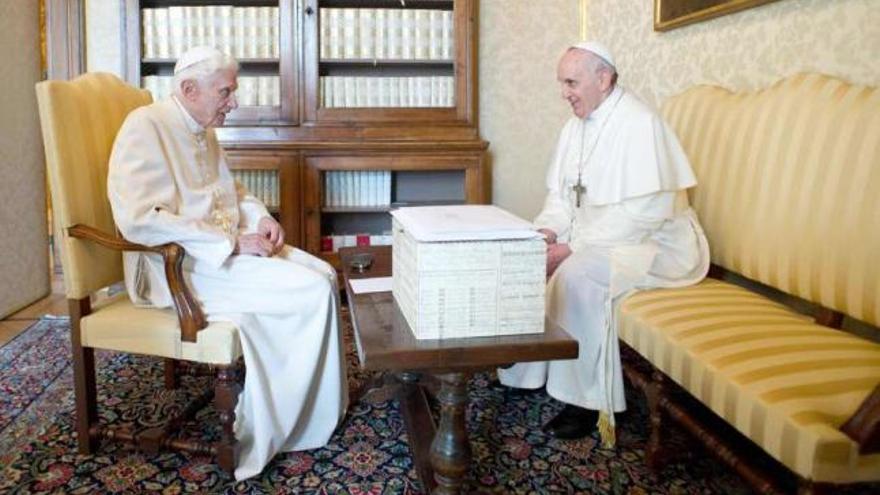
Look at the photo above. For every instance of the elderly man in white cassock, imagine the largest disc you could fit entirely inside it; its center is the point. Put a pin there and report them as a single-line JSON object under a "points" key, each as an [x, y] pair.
{"points": [[616, 219], [169, 182]]}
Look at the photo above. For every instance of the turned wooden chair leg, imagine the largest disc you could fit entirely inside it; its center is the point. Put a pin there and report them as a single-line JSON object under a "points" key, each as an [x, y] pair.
{"points": [[171, 379], [655, 448], [86, 397], [84, 386], [226, 391]]}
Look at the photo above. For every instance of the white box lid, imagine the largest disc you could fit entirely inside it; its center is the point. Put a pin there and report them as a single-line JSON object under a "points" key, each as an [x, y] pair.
{"points": [[463, 223]]}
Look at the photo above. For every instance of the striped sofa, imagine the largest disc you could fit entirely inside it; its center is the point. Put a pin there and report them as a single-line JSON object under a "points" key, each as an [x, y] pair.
{"points": [[789, 197]]}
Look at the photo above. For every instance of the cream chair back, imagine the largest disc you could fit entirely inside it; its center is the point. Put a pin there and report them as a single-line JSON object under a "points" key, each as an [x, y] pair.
{"points": [[80, 120]]}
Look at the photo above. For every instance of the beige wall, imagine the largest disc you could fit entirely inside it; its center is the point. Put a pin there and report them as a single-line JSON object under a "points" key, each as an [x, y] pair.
{"points": [[24, 266], [747, 49], [521, 111]]}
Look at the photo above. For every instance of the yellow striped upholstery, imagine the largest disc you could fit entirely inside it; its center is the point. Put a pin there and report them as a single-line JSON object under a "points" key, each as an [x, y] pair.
{"points": [[788, 194], [789, 186], [780, 379]]}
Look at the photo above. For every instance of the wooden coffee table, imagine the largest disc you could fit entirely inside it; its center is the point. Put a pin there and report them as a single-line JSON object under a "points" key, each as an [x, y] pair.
{"points": [[441, 453]]}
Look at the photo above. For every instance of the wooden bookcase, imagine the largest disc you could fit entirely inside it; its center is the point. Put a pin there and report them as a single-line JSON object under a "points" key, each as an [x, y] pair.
{"points": [[430, 145]]}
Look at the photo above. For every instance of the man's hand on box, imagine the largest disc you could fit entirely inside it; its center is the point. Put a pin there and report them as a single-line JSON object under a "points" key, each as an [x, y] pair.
{"points": [[556, 254], [549, 236]]}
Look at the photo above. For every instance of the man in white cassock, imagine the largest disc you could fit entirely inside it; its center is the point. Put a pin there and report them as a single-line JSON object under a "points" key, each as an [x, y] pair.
{"points": [[169, 182], [616, 219]]}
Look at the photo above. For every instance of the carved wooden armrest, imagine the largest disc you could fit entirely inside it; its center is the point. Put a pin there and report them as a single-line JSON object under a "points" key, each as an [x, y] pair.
{"points": [[189, 313], [864, 425]]}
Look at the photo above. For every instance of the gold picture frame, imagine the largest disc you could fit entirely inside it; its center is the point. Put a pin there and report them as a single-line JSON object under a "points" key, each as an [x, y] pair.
{"points": [[670, 14]]}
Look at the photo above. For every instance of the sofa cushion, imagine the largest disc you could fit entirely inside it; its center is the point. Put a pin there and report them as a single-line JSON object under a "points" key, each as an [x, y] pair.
{"points": [[783, 381]]}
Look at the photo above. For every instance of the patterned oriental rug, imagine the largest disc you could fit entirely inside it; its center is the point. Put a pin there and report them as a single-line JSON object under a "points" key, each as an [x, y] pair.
{"points": [[368, 454]]}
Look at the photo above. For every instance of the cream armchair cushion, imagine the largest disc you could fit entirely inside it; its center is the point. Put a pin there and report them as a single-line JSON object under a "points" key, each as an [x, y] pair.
{"points": [[118, 325]]}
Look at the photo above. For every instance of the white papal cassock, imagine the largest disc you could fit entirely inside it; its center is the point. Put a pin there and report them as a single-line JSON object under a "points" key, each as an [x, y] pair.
{"points": [[169, 182], [633, 230]]}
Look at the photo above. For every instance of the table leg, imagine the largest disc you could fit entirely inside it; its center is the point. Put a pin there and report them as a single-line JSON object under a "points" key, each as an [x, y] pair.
{"points": [[420, 425], [450, 450]]}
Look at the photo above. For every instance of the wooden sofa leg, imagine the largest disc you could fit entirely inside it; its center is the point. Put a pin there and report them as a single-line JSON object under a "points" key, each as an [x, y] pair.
{"points": [[226, 391], [655, 452]]}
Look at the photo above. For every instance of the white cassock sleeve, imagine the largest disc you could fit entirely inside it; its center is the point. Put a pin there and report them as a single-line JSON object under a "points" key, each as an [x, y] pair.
{"points": [[251, 209], [556, 214], [143, 194]]}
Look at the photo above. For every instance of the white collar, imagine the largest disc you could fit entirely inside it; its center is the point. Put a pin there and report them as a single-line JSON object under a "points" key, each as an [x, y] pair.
{"points": [[606, 106], [191, 124]]}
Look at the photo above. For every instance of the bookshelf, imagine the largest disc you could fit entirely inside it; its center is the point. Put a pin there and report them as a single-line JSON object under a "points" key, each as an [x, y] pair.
{"points": [[359, 89], [402, 179]]}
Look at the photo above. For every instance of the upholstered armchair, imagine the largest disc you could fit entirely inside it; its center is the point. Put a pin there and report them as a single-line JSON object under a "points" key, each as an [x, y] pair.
{"points": [[80, 119]]}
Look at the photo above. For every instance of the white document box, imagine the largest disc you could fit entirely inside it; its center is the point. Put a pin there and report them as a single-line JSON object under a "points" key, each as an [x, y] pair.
{"points": [[467, 271]]}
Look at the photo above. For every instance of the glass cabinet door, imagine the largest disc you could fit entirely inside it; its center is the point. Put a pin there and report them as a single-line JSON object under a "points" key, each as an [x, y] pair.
{"points": [[261, 34], [387, 60]]}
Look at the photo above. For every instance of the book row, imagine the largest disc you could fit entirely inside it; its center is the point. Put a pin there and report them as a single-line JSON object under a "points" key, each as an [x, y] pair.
{"points": [[386, 34], [262, 184], [332, 243], [349, 188], [252, 90], [244, 32], [394, 92]]}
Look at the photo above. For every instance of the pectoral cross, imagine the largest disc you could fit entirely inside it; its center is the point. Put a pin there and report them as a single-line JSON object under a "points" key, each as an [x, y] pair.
{"points": [[578, 190]]}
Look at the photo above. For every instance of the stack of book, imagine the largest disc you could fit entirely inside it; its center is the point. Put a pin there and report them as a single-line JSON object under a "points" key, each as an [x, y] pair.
{"points": [[244, 32], [262, 184], [467, 271], [332, 243], [252, 90], [395, 92], [352, 189], [386, 34]]}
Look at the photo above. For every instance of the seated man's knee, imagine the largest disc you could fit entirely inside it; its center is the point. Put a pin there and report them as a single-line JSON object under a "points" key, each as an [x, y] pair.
{"points": [[584, 269]]}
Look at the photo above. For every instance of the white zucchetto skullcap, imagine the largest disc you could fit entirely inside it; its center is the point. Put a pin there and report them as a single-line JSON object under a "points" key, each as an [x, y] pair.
{"points": [[597, 49], [196, 55]]}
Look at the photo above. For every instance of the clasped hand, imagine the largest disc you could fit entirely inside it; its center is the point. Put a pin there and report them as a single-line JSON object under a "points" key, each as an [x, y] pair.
{"points": [[267, 241]]}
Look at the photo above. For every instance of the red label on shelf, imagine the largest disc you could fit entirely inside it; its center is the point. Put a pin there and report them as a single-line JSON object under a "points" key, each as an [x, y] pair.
{"points": [[326, 243]]}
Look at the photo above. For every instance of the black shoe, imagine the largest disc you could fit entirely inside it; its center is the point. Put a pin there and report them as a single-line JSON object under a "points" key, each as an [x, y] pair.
{"points": [[496, 383], [572, 423]]}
